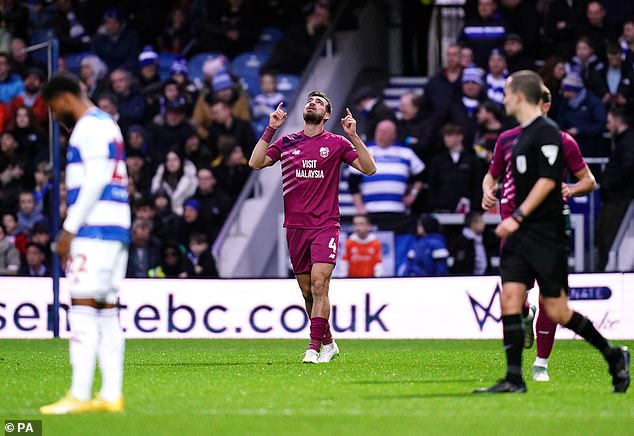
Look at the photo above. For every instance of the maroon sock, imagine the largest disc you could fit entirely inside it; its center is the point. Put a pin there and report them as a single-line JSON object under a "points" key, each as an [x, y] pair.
{"points": [[526, 309], [328, 337], [318, 328], [545, 329]]}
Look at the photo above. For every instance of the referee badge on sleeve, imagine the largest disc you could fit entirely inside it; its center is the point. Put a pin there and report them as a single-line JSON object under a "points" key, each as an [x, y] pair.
{"points": [[550, 152], [520, 164]]}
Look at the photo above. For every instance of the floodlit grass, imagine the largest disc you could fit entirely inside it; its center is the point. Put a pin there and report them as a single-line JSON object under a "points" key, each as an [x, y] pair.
{"points": [[214, 387]]}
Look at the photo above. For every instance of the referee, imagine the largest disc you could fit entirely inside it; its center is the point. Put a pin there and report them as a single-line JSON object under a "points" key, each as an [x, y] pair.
{"points": [[536, 246]]}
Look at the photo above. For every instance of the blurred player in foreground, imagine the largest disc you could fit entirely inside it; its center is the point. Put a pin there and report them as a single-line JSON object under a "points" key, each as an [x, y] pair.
{"points": [[536, 246], [501, 166], [311, 161], [93, 245]]}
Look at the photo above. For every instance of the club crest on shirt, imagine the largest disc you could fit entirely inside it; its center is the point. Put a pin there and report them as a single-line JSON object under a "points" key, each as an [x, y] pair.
{"points": [[324, 152], [295, 151], [520, 164]]}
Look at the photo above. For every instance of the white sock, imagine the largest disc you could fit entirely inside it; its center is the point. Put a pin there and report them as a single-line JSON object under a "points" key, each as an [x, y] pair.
{"points": [[541, 362], [83, 349], [111, 347]]}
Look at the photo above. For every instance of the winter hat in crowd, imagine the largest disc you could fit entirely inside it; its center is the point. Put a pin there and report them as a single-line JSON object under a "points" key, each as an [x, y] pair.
{"points": [[213, 66], [148, 57], [193, 203], [179, 66], [572, 82], [221, 81], [473, 74]]}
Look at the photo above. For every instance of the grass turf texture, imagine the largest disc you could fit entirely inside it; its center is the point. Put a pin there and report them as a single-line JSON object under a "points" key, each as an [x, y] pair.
{"points": [[375, 387]]}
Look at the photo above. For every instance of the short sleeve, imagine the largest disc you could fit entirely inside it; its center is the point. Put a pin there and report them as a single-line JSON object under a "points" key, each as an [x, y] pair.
{"points": [[572, 154], [275, 150], [549, 153], [496, 168], [349, 154], [416, 166], [92, 146]]}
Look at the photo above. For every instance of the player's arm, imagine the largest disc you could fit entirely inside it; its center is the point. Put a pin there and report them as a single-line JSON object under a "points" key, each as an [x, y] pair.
{"points": [[537, 194], [489, 191], [259, 159], [586, 183], [364, 162]]}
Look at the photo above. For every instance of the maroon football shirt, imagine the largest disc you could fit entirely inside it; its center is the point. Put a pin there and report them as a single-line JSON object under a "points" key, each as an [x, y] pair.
{"points": [[310, 177]]}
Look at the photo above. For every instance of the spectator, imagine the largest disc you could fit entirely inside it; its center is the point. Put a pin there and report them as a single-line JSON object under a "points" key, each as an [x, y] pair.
{"points": [[553, 73], [9, 255], [22, 61], [610, 83], [463, 111], [626, 42], [118, 43], [148, 71], [293, 52], [225, 124], [29, 134], [372, 110], [445, 85], [516, 59], [267, 100], [524, 20], [139, 171], [561, 25], [109, 104], [429, 255], [585, 63], [131, 104], [136, 140], [43, 175], [31, 97], [466, 58], [200, 256], [454, 175], [69, 28], [192, 221], [169, 94], [145, 210], [15, 19], [173, 263], [196, 151], [595, 28], [582, 115], [388, 192], [496, 77], [177, 177], [179, 74], [92, 74], [414, 129], [10, 84], [177, 36], [172, 132], [490, 126], [13, 176], [27, 215], [470, 254], [214, 204], [484, 32], [40, 235], [170, 224], [231, 168], [35, 265], [362, 254], [617, 189], [144, 250]]}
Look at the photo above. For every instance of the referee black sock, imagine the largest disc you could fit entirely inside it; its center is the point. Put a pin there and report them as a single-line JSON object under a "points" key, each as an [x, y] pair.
{"points": [[513, 345], [584, 328]]}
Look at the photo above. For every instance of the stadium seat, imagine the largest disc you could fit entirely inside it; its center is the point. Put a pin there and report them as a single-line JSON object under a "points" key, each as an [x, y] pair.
{"points": [[165, 62], [73, 61], [287, 84], [247, 66], [38, 36], [269, 37], [195, 64]]}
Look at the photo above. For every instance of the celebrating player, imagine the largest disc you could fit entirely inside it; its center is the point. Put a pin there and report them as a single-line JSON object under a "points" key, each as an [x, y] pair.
{"points": [[536, 246], [501, 165], [93, 245], [311, 161]]}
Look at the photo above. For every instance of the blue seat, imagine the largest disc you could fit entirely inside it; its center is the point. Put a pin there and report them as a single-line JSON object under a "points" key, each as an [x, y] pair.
{"points": [[287, 84], [269, 37], [165, 62], [195, 64], [73, 61], [38, 36], [247, 66]]}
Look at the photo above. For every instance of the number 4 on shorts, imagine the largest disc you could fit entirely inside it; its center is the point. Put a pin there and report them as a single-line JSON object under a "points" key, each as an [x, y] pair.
{"points": [[333, 247]]}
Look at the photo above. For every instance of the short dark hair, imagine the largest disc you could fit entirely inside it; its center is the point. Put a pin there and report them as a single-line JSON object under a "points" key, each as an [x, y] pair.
{"points": [[366, 217], [471, 217], [198, 238], [452, 129], [622, 114], [528, 83], [61, 83], [492, 107], [325, 97], [38, 246], [110, 97]]}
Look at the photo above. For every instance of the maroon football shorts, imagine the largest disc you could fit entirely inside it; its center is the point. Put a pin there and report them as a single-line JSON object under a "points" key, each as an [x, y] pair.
{"points": [[310, 246]]}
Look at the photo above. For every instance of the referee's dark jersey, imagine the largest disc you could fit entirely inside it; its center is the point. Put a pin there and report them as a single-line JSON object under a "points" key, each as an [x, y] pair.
{"points": [[537, 154]]}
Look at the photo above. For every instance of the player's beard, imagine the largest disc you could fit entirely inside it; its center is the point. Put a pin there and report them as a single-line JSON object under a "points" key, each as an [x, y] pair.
{"points": [[314, 117], [67, 120]]}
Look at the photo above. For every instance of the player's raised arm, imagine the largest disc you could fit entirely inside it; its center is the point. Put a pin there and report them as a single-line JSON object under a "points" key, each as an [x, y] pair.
{"points": [[259, 159], [365, 162]]}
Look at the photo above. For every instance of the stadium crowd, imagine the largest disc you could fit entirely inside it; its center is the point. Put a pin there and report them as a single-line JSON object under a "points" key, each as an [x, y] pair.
{"points": [[169, 72]]}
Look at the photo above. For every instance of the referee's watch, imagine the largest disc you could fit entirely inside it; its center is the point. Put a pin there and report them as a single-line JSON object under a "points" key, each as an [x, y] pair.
{"points": [[518, 216]]}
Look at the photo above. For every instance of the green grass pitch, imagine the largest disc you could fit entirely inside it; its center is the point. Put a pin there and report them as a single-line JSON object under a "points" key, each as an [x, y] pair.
{"points": [[235, 387]]}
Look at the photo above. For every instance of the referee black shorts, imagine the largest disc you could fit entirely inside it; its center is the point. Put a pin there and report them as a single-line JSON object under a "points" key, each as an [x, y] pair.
{"points": [[530, 255]]}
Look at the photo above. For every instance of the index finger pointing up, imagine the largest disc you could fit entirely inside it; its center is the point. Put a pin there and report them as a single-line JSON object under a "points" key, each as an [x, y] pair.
{"points": [[279, 106], [348, 111]]}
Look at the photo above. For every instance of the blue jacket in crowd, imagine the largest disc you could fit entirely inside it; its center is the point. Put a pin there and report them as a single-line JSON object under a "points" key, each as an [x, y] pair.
{"points": [[428, 257]]}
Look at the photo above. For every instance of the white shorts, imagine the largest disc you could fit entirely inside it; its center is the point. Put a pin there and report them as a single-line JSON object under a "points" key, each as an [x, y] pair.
{"points": [[96, 268]]}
